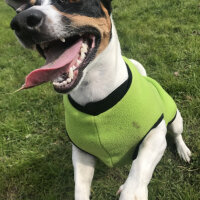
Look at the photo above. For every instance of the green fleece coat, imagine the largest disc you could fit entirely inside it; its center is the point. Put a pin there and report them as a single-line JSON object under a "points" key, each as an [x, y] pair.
{"points": [[113, 136]]}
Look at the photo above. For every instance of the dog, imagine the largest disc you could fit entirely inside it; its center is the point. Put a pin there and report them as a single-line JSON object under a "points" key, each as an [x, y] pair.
{"points": [[114, 112]]}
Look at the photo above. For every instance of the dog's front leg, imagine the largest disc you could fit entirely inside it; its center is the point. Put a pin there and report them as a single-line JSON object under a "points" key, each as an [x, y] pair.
{"points": [[150, 152], [83, 173]]}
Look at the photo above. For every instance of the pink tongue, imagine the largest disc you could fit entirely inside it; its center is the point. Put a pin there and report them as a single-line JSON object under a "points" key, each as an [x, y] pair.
{"points": [[53, 69]]}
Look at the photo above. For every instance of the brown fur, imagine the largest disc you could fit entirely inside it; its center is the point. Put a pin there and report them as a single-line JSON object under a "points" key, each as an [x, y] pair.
{"points": [[32, 2], [102, 24]]}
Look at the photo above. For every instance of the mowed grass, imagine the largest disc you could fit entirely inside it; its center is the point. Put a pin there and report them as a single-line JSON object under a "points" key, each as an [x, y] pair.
{"points": [[35, 154]]}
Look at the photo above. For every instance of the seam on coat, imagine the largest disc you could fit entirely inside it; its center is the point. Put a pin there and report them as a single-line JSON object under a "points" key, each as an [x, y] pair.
{"points": [[101, 142]]}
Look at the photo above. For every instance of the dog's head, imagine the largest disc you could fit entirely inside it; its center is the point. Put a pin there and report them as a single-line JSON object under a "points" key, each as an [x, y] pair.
{"points": [[69, 34]]}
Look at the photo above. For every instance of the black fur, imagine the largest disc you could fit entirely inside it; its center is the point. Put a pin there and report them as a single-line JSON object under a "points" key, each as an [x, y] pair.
{"points": [[90, 8], [107, 4]]}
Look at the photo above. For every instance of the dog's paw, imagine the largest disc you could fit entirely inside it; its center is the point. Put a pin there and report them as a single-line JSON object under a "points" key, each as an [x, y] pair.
{"points": [[183, 151], [120, 190], [133, 193], [82, 198]]}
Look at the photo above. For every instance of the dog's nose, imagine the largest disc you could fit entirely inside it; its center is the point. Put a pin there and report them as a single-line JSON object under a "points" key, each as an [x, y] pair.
{"points": [[27, 20]]}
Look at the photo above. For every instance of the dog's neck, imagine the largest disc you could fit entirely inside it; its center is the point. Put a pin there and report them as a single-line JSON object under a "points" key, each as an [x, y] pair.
{"points": [[103, 75]]}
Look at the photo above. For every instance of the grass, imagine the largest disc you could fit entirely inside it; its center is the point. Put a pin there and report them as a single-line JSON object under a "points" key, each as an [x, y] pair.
{"points": [[35, 155]]}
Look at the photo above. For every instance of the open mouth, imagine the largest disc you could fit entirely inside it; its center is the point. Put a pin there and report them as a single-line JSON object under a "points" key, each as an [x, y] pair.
{"points": [[66, 59]]}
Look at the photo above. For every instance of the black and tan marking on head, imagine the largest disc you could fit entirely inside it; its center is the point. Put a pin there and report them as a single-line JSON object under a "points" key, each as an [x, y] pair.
{"points": [[55, 26], [88, 15], [90, 8], [83, 16], [69, 34]]}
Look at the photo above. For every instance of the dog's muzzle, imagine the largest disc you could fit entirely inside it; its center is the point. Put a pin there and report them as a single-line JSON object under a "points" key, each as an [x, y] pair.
{"points": [[29, 23], [66, 56]]}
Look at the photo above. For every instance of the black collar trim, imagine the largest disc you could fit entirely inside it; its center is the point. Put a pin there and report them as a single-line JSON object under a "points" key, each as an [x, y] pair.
{"points": [[96, 108]]}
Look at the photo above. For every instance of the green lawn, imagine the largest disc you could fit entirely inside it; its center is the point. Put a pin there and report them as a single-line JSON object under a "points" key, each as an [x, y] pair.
{"points": [[35, 155]]}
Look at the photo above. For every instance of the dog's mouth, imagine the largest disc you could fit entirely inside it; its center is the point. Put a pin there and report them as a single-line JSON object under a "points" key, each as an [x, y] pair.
{"points": [[65, 61]]}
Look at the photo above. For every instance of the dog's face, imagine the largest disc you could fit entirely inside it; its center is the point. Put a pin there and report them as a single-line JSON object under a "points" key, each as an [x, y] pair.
{"points": [[69, 34]]}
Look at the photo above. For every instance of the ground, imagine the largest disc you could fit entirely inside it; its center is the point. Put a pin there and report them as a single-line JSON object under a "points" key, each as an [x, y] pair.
{"points": [[35, 155]]}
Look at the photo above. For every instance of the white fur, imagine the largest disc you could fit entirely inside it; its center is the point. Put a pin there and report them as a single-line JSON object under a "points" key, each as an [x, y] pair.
{"points": [[46, 2], [150, 152], [55, 28], [83, 173], [103, 75], [139, 67], [176, 129]]}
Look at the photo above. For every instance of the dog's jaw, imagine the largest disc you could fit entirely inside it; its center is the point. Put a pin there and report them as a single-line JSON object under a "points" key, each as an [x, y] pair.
{"points": [[44, 26], [104, 70], [103, 75]]}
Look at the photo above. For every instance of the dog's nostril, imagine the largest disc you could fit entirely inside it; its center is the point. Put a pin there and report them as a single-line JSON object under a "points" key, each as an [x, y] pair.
{"points": [[34, 20], [27, 21]]}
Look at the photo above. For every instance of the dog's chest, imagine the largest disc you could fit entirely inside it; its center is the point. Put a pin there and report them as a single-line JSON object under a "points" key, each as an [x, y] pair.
{"points": [[113, 135]]}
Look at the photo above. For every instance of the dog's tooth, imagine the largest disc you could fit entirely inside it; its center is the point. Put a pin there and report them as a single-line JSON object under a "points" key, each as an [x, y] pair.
{"points": [[64, 83], [56, 84], [69, 80], [62, 40], [82, 55], [84, 45], [84, 48], [78, 62], [71, 73], [74, 67]]}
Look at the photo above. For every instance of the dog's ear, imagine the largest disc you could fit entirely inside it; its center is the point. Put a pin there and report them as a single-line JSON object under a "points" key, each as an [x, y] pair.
{"points": [[18, 5], [107, 4]]}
